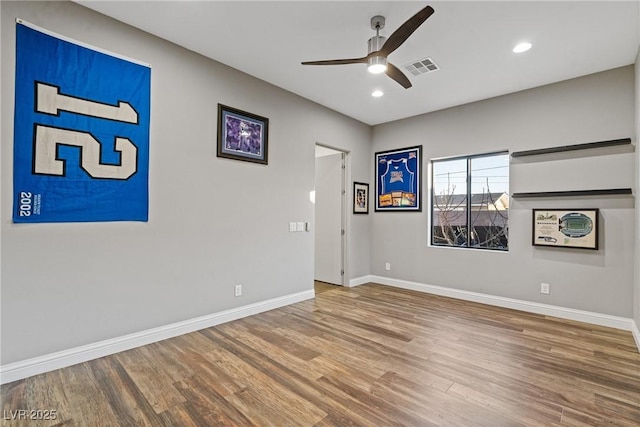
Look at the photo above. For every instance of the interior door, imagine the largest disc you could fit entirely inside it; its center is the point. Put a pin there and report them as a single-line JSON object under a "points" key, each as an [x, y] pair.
{"points": [[329, 234]]}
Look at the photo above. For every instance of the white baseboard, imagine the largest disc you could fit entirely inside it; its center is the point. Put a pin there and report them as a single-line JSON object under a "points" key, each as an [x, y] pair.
{"points": [[360, 281], [636, 334], [38, 365], [528, 306]]}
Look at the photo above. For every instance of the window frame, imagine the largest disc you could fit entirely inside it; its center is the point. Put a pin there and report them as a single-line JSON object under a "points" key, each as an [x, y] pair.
{"points": [[468, 196]]}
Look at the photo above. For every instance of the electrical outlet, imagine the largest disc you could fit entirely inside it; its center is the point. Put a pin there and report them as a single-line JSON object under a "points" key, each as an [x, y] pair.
{"points": [[544, 288], [238, 290], [387, 266]]}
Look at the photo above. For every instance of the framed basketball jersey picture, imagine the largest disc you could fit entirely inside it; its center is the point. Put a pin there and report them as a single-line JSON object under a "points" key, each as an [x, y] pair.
{"points": [[398, 179]]}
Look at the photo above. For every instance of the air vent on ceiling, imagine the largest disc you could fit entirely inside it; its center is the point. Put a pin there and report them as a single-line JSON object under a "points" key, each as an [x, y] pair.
{"points": [[421, 66]]}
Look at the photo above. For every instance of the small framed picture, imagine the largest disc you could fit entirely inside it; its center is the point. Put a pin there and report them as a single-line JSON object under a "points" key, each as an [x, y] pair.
{"points": [[565, 228], [242, 136], [360, 198]]}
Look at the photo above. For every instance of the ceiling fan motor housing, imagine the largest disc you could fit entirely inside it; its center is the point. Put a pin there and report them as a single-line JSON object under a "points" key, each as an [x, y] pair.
{"points": [[375, 43]]}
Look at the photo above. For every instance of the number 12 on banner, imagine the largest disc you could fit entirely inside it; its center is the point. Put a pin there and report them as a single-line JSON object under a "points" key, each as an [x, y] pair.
{"points": [[50, 101]]}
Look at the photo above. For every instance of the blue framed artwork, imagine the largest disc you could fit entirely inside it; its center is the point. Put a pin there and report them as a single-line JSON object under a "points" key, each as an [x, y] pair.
{"points": [[242, 136], [398, 179], [81, 131]]}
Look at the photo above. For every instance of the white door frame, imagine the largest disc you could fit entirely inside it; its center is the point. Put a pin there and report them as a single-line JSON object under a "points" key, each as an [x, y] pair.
{"points": [[344, 204]]}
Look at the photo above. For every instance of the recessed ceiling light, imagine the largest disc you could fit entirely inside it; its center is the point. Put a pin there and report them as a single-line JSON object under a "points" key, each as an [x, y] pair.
{"points": [[377, 93], [522, 47]]}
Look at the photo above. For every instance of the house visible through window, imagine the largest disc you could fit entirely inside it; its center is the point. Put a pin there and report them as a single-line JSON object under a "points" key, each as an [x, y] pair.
{"points": [[470, 202]]}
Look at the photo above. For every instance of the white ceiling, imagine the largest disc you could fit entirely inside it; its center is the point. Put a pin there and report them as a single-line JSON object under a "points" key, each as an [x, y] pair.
{"points": [[470, 41]]}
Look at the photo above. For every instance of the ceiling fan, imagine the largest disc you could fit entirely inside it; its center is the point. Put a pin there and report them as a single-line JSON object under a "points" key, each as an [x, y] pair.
{"points": [[380, 47]]}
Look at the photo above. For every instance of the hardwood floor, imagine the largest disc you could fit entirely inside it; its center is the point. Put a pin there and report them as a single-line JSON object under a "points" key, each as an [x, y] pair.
{"points": [[366, 356], [320, 287]]}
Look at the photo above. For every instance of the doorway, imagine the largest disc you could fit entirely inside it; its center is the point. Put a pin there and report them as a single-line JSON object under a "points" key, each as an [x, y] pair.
{"points": [[330, 215]]}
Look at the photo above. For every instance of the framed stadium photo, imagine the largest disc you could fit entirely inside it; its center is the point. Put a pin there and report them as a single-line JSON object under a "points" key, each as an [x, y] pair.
{"points": [[360, 198], [566, 228], [242, 136], [398, 179]]}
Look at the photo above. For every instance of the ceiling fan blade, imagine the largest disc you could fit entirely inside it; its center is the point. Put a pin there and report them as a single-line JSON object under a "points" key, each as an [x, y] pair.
{"points": [[397, 75], [400, 35], [337, 61]]}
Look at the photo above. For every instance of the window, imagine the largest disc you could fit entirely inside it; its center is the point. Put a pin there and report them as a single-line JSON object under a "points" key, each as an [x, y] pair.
{"points": [[470, 202]]}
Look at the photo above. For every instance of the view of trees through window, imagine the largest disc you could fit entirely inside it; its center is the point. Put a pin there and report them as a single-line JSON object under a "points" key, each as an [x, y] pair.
{"points": [[470, 202]]}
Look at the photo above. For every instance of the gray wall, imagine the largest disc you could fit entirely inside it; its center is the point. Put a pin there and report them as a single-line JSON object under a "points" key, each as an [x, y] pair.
{"points": [[591, 108], [213, 222]]}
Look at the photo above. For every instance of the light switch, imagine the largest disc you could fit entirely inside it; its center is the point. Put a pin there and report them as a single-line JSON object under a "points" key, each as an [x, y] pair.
{"points": [[300, 226], [292, 226]]}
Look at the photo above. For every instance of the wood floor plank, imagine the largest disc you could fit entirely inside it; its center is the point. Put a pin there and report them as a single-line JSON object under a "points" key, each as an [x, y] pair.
{"points": [[366, 356], [302, 352], [323, 397], [309, 368], [263, 399], [128, 402], [85, 400], [435, 406], [155, 384], [47, 389], [200, 355], [208, 407], [528, 412]]}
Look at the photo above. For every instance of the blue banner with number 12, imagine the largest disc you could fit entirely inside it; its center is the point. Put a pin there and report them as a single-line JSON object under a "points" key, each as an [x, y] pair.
{"points": [[81, 132]]}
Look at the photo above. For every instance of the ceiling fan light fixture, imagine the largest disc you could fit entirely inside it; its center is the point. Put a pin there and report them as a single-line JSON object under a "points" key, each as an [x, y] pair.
{"points": [[377, 64]]}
